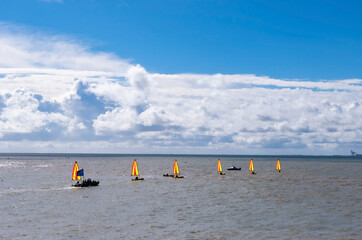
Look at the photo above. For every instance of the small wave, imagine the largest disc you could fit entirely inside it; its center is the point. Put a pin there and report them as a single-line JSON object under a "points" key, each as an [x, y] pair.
{"points": [[42, 166], [11, 164]]}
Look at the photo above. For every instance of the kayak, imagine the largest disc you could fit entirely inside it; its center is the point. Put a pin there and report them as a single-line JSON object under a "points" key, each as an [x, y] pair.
{"points": [[168, 175]]}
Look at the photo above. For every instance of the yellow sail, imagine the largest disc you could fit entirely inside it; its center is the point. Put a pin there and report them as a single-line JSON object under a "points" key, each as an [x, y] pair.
{"points": [[175, 168], [278, 167], [219, 168], [75, 170], [251, 165], [134, 168]]}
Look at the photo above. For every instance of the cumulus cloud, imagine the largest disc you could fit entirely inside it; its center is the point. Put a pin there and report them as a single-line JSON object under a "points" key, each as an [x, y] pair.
{"points": [[57, 94], [21, 114]]}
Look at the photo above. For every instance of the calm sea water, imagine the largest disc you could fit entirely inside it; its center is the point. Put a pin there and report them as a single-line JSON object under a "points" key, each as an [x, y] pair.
{"points": [[314, 198]]}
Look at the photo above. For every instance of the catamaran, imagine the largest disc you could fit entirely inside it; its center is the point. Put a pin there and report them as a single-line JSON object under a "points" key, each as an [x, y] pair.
{"points": [[278, 167], [176, 170], [251, 167], [135, 171], [77, 176], [219, 168]]}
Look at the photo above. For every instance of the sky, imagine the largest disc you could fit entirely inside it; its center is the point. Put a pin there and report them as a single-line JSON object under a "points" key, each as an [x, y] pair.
{"points": [[183, 76]]}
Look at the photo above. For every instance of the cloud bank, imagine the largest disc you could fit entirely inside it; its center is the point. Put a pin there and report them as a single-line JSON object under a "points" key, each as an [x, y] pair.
{"points": [[57, 95]]}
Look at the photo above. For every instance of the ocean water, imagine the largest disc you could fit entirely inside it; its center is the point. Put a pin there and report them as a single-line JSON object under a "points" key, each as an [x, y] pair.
{"points": [[314, 198]]}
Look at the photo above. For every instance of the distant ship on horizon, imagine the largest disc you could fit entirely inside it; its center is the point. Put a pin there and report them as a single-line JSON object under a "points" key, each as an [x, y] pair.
{"points": [[354, 154]]}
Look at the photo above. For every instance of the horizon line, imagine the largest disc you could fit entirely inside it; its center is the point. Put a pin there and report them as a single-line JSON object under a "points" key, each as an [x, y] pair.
{"points": [[164, 154]]}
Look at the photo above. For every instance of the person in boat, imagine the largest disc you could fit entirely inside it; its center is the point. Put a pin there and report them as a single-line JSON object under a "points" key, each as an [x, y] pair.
{"points": [[77, 184], [253, 173], [136, 178]]}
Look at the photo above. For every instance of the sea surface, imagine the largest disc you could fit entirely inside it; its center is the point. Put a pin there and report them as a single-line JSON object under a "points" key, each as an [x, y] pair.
{"points": [[313, 198]]}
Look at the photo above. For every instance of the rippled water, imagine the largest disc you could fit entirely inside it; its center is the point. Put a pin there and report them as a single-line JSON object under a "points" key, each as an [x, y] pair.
{"points": [[314, 198]]}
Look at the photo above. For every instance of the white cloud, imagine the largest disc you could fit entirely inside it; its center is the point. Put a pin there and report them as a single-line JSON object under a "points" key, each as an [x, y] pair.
{"points": [[58, 94], [118, 119], [20, 114]]}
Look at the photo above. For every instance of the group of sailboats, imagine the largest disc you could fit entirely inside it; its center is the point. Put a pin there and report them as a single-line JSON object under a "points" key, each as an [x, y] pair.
{"points": [[251, 167], [176, 171], [78, 175]]}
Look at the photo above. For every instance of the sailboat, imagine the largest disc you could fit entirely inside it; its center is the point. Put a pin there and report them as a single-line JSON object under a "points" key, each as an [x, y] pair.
{"points": [[75, 171], [77, 176], [135, 171], [219, 168], [251, 167], [176, 170], [278, 167]]}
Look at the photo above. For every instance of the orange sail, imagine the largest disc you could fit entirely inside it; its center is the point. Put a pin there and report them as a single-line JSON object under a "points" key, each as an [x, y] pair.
{"points": [[278, 167], [75, 170], [219, 168], [175, 168], [251, 165], [134, 168]]}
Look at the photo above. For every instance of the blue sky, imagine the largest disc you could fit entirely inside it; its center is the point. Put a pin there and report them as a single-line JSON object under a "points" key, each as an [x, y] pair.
{"points": [[312, 39], [181, 76]]}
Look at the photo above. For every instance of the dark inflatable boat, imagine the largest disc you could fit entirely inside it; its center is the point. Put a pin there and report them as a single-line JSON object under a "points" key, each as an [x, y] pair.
{"points": [[234, 168], [86, 183]]}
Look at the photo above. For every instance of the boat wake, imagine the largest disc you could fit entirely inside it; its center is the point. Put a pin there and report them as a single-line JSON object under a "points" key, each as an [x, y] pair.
{"points": [[24, 190]]}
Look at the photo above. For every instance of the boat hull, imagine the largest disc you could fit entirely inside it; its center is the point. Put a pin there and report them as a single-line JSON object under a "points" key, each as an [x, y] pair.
{"points": [[138, 179], [234, 169]]}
